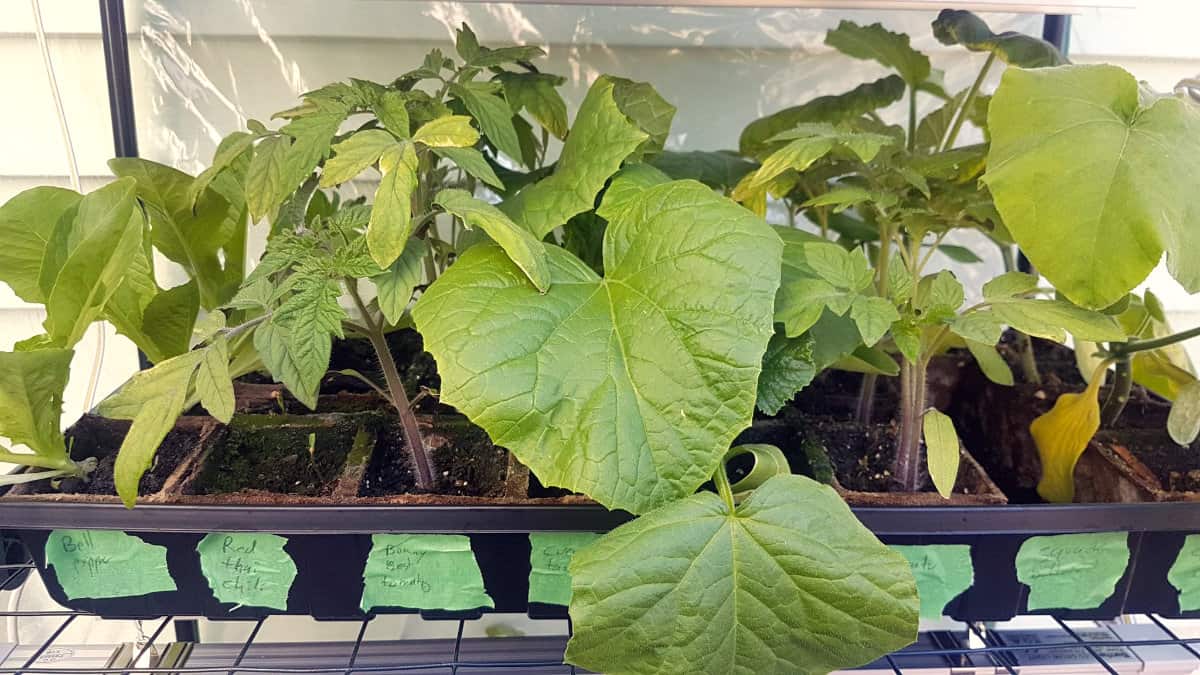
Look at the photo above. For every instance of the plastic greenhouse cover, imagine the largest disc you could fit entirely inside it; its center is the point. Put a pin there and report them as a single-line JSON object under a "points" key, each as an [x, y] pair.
{"points": [[200, 70]]}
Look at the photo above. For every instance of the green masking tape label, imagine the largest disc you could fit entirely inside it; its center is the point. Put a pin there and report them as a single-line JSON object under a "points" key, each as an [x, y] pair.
{"points": [[247, 570], [1184, 574], [550, 553], [942, 572], [423, 571], [1072, 571], [107, 564]]}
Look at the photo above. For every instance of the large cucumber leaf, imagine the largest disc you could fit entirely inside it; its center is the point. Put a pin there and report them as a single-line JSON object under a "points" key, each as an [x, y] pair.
{"points": [[1077, 164], [788, 582], [672, 340]]}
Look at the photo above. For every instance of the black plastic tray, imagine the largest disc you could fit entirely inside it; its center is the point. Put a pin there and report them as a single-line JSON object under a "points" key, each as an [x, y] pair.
{"points": [[330, 543]]}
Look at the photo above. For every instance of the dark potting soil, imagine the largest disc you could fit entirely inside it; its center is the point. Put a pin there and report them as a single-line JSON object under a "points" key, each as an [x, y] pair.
{"points": [[862, 458], [1174, 465], [287, 454], [466, 463], [833, 393], [803, 455], [418, 370], [94, 436], [345, 393]]}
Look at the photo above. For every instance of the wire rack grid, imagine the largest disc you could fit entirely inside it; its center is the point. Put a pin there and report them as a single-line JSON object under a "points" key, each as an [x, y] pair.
{"points": [[976, 649]]}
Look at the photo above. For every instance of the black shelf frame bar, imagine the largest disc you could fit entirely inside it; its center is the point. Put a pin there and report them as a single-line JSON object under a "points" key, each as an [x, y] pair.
{"points": [[500, 519]]}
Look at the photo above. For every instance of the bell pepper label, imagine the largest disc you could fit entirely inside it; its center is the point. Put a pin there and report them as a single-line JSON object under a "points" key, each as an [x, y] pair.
{"points": [[423, 571], [247, 570], [942, 572], [1184, 574], [550, 554], [107, 564], [1072, 571]]}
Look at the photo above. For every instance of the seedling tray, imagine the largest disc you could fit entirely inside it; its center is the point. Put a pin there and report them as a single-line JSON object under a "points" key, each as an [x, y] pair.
{"points": [[330, 545]]}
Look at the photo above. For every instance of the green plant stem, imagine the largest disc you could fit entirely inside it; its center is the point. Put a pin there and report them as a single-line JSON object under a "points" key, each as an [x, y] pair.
{"points": [[913, 379], [721, 480], [1024, 346], [1114, 405], [972, 94], [906, 470], [912, 118], [422, 469], [233, 333], [40, 461], [1124, 348], [864, 410]]}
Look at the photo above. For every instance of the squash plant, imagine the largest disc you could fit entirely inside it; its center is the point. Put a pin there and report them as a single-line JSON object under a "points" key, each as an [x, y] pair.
{"points": [[907, 188], [1083, 158]]}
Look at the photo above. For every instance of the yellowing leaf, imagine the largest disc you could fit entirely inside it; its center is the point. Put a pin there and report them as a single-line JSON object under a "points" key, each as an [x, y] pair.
{"points": [[1184, 421], [1063, 434], [391, 214], [452, 131], [941, 447]]}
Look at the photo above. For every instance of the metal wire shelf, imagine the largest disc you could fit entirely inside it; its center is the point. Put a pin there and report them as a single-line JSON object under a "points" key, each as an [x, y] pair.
{"points": [[1150, 646]]}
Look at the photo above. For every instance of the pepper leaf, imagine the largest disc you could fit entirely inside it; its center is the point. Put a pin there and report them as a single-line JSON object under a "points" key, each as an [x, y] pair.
{"points": [[87, 257], [26, 222], [1053, 319], [994, 367], [720, 170], [493, 115], [623, 431], [538, 94], [31, 398], [473, 162], [153, 399], [694, 587]]}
